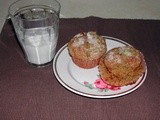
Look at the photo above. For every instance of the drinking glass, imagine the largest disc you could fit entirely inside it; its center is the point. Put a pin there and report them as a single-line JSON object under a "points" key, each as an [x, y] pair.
{"points": [[36, 24]]}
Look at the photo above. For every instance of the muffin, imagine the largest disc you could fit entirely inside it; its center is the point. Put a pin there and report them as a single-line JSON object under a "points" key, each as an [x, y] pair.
{"points": [[86, 49], [122, 66]]}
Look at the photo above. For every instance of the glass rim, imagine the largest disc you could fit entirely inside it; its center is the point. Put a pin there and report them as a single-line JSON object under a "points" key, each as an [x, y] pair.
{"points": [[14, 3]]}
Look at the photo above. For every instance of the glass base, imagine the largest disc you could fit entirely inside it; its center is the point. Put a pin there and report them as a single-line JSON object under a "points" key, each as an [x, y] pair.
{"points": [[40, 65]]}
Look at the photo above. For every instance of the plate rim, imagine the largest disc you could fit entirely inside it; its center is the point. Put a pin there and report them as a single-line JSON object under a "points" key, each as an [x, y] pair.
{"points": [[73, 90]]}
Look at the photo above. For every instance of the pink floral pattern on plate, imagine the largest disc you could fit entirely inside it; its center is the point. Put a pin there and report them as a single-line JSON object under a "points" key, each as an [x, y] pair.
{"points": [[100, 85]]}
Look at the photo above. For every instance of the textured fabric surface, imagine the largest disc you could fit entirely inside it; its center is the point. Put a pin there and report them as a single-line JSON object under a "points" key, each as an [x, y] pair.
{"points": [[30, 93]]}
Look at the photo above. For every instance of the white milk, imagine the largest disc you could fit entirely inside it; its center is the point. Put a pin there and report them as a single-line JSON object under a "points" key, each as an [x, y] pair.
{"points": [[40, 45]]}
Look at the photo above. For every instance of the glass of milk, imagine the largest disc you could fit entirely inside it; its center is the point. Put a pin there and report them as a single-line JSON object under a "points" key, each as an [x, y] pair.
{"points": [[36, 23]]}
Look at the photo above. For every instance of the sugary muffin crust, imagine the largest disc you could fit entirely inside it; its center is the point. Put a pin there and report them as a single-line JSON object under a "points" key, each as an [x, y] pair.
{"points": [[87, 45], [122, 66], [86, 48]]}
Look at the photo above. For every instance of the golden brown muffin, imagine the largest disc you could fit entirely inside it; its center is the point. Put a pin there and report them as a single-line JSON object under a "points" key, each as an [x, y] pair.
{"points": [[86, 49], [122, 66]]}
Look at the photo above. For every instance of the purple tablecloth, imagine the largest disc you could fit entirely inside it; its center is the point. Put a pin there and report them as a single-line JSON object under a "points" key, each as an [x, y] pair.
{"points": [[30, 93]]}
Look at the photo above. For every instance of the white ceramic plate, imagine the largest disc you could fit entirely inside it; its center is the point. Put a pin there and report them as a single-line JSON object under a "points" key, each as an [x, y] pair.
{"points": [[83, 81]]}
